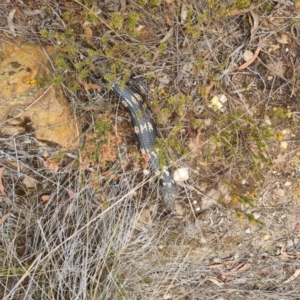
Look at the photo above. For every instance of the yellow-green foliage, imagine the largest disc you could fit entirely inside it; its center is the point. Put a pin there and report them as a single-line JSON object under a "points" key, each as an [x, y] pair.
{"points": [[155, 2], [162, 47], [116, 21], [281, 113], [100, 145], [92, 17], [68, 16], [242, 3], [241, 137]]}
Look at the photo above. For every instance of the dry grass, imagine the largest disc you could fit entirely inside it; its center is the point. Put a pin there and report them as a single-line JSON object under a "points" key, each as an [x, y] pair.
{"points": [[102, 233]]}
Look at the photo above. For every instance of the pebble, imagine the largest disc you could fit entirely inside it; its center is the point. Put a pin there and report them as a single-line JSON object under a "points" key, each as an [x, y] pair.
{"points": [[279, 192]]}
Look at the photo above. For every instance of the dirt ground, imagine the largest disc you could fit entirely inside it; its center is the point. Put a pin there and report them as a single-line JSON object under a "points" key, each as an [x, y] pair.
{"points": [[83, 220]]}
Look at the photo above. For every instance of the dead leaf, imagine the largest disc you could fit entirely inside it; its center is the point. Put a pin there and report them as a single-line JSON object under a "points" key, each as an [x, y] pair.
{"points": [[140, 28], [205, 53], [145, 217], [168, 35], [241, 267], [45, 198], [283, 39], [297, 7], [183, 13], [88, 32], [10, 22], [169, 22], [155, 56], [2, 220], [202, 163], [29, 182], [208, 89], [144, 32], [70, 209], [273, 48], [197, 138], [224, 264], [254, 24], [296, 228], [293, 277], [284, 255], [207, 203], [250, 61], [2, 189], [71, 193], [297, 191], [215, 281], [90, 86]]}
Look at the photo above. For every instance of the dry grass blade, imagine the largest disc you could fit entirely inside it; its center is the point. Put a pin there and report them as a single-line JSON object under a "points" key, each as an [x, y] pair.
{"points": [[3, 218], [10, 22], [254, 24], [2, 188], [166, 37], [293, 277]]}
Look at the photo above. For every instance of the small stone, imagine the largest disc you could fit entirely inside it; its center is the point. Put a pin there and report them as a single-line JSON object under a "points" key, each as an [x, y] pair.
{"points": [[146, 172], [266, 237], [223, 98], [207, 122], [178, 209], [180, 175], [29, 182], [45, 153], [283, 145], [290, 243], [279, 244], [279, 192], [248, 230], [256, 215], [247, 55], [207, 203], [267, 120], [215, 103]]}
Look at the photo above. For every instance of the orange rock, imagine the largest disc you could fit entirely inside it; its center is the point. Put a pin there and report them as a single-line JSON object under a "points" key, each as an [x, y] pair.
{"points": [[22, 101]]}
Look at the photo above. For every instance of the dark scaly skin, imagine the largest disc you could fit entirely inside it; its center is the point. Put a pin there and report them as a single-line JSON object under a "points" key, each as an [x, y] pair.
{"points": [[146, 134], [145, 131]]}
